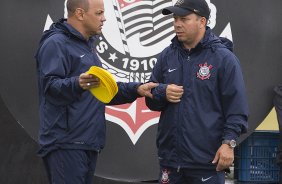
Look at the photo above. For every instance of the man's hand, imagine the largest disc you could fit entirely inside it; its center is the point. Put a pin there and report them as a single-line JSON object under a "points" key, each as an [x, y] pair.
{"points": [[224, 157], [87, 81], [174, 93], [145, 89]]}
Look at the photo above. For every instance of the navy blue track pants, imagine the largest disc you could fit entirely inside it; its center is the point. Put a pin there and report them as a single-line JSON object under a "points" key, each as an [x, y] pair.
{"points": [[70, 166]]}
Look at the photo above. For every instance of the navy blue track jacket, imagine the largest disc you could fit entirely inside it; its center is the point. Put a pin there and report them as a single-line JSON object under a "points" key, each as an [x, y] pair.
{"points": [[71, 118], [212, 108]]}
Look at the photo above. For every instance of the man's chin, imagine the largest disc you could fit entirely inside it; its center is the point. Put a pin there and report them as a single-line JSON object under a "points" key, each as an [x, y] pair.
{"points": [[180, 38], [96, 33]]}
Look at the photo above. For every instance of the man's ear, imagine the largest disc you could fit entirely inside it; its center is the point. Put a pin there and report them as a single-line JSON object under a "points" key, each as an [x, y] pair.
{"points": [[79, 13], [203, 22]]}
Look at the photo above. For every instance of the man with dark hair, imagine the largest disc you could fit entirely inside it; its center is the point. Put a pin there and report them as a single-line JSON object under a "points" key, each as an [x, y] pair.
{"points": [[72, 121], [201, 96]]}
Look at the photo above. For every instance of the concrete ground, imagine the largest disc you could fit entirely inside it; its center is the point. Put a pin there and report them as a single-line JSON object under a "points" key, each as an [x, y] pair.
{"points": [[229, 178], [229, 181]]}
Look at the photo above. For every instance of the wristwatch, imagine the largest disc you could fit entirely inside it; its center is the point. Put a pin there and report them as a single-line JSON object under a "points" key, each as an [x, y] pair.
{"points": [[231, 143]]}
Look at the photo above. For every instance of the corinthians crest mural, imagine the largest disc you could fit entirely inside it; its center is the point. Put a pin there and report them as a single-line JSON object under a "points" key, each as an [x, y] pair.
{"points": [[134, 33]]}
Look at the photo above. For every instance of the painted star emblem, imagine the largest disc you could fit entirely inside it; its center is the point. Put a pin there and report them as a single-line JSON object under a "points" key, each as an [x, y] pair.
{"points": [[113, 57]]}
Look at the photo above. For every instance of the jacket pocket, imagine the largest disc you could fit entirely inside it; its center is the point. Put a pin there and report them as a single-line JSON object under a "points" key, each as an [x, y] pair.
{"points": [[55, 117]]}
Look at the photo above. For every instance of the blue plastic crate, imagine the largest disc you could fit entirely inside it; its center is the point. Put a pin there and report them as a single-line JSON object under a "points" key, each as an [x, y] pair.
{"points": [[255, 158]]}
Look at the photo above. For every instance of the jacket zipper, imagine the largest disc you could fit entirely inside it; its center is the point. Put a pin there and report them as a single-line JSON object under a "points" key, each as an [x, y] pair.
{"points": [[179, 165], [188, 58], [178, 128], [67, 119]]}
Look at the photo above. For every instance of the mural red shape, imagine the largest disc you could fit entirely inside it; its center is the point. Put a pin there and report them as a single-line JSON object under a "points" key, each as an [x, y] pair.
{"points": [[135, 115]]}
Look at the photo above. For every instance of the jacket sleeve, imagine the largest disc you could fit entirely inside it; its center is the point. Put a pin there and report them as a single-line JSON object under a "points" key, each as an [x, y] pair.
{"points": [[53, 68], [233, 99], [127, 93], [159, 102]]}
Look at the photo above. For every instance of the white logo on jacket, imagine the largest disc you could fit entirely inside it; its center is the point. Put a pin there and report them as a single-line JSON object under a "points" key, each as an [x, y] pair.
{"points": [[204, 71]]}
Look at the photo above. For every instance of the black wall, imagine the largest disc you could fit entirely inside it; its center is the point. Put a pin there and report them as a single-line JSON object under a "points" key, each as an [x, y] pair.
{"points": [[256, 30]]}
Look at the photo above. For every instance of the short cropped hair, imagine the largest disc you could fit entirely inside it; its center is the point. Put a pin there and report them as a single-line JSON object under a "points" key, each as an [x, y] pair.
{"points": [[72, 5]]}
